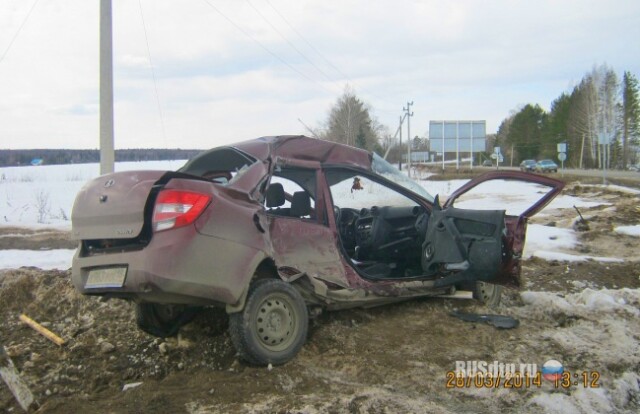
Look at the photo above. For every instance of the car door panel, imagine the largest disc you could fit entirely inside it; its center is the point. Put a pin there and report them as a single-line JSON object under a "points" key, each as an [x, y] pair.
{"points": [[308, 247], [464, 240], [482, 257]]}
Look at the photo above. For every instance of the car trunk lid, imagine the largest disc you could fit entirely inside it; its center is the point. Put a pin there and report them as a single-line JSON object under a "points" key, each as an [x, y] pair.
{"points": [[113, 206]]}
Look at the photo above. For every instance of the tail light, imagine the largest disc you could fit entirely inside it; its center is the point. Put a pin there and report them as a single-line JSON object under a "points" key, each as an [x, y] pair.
{"points": [[177, 208]]}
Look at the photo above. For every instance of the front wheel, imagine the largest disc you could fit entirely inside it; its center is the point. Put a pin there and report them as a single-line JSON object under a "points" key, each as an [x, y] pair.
{"points": [[487, 293], [273, 325]]}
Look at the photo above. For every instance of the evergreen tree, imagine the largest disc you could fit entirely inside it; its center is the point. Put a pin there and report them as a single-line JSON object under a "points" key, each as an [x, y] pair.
{"points": [[361, 140], [525, 132], [555, 128], [630, 113]]}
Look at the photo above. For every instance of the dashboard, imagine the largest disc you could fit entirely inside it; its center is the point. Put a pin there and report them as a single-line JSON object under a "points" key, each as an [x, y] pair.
{"points": [[382, 232]]}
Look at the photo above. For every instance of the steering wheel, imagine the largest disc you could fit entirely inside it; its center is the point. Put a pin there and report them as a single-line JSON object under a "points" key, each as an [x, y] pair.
{"points": [[345, 221]]}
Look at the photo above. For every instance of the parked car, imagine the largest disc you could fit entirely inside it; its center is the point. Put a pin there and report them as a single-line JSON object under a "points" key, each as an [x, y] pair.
{"points": [[546, 166], [487, 163], [528, 165], [271, 227]]}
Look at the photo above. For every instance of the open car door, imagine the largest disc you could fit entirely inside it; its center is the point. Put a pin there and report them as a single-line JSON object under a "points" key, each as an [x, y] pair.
{"points": [[469, 244]]}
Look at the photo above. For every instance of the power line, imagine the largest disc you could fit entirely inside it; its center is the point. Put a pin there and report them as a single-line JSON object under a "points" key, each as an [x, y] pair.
{"points": [[284, 19], [153, 73], [19, 30], [266, 49], [307, 42], [275, 29]]}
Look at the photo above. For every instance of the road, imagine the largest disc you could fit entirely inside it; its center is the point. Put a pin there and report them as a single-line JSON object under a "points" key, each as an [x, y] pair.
{"points": [[627, 176]]}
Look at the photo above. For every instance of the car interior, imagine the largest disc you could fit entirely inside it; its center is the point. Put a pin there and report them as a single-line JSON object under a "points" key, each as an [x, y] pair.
{"points": [[291, 193], [393, 236], [383, 241], [385, 233], [381, 230], [300, 202]]}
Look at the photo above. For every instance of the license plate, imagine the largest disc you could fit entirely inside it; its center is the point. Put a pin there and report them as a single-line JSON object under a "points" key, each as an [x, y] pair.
{"points": [[106, 277]]}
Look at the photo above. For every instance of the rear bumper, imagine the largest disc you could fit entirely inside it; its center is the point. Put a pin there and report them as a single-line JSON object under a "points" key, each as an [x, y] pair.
{"points": [[178, 266]]}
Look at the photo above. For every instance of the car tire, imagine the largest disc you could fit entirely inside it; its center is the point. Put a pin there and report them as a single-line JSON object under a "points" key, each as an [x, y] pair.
{"points": [[163, 320], [273, 325], [487, 293]]}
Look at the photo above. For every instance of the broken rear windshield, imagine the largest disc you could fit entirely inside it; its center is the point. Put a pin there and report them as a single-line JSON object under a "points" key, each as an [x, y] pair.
{"points": [[220, 165]]}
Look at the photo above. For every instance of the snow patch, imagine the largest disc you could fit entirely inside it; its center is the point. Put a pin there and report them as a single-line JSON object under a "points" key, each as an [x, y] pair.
{"points": [[629, 230], [613, 187], [44, 259], [597, 328], [541, 237], [586, 302]]}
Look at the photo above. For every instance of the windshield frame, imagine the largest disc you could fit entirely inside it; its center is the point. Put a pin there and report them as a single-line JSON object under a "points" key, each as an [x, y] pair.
{"points": [[384, 169]]}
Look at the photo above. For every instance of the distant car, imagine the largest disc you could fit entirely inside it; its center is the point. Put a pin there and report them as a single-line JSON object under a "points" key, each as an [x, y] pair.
{"points": [[487, 163], [546, 166], [269, 227], [528, 165]]}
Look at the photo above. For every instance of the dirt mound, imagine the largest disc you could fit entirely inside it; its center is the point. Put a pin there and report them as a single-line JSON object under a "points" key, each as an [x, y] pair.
{"points": [[104, 348], [29, 239]]}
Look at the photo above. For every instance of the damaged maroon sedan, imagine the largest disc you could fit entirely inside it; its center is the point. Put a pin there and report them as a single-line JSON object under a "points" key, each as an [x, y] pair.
{"points": [[272, 227]]}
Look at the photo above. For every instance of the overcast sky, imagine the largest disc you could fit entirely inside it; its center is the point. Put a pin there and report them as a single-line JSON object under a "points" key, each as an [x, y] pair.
{"points": [[233, 70]]}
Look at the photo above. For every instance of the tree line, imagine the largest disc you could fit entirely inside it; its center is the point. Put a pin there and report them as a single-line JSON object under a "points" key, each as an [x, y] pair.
{"points": [[10, 158], [599, 120], [600, 108]]}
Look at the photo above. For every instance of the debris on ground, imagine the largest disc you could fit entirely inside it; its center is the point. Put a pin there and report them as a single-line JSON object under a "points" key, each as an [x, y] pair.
{"points": [[499, 321], [42, 330]]}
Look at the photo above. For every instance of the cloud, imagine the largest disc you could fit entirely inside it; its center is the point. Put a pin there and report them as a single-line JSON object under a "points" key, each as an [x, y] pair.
{"points": [[219, 82]]}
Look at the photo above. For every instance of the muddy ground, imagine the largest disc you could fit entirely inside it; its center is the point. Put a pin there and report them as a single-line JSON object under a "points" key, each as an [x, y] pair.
{"points": [[383, 360]]}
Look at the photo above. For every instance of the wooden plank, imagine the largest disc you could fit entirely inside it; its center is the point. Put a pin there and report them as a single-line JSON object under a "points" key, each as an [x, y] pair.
{"points": [[16, 385], [42, 330]]}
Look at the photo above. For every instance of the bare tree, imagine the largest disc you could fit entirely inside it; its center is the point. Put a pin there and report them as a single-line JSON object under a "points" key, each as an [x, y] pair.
{"points": [[350, 123]]}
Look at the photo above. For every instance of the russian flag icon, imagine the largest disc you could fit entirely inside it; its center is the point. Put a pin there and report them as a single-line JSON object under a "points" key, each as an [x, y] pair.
{"points": [[552, 370]]}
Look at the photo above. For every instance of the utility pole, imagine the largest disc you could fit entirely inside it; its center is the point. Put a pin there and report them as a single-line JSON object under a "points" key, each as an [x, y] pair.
{"points": [[409, 115], [107, 157], [400, 152]]}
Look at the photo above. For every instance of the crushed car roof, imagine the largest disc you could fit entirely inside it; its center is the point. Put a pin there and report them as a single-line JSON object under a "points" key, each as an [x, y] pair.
{"points": [[301, 147]]}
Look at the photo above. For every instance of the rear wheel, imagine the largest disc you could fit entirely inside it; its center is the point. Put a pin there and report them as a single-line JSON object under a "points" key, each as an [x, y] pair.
{"points": [[163, 320], [487, 293], [273, 325]]}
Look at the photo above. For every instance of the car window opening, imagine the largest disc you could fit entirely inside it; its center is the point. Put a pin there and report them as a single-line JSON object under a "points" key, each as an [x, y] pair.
{"points": [[381, 230], [221, 166], [291, 194]]}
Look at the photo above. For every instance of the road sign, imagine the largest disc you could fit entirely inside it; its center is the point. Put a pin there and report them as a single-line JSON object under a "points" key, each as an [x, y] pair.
{"points": [[604, 138], [562, 147], [494, 156], [562, 156], [496, 150]]}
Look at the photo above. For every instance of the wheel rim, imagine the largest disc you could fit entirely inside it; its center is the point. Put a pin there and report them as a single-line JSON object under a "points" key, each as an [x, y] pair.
{"points": [[487, 291], [276, 323]]}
